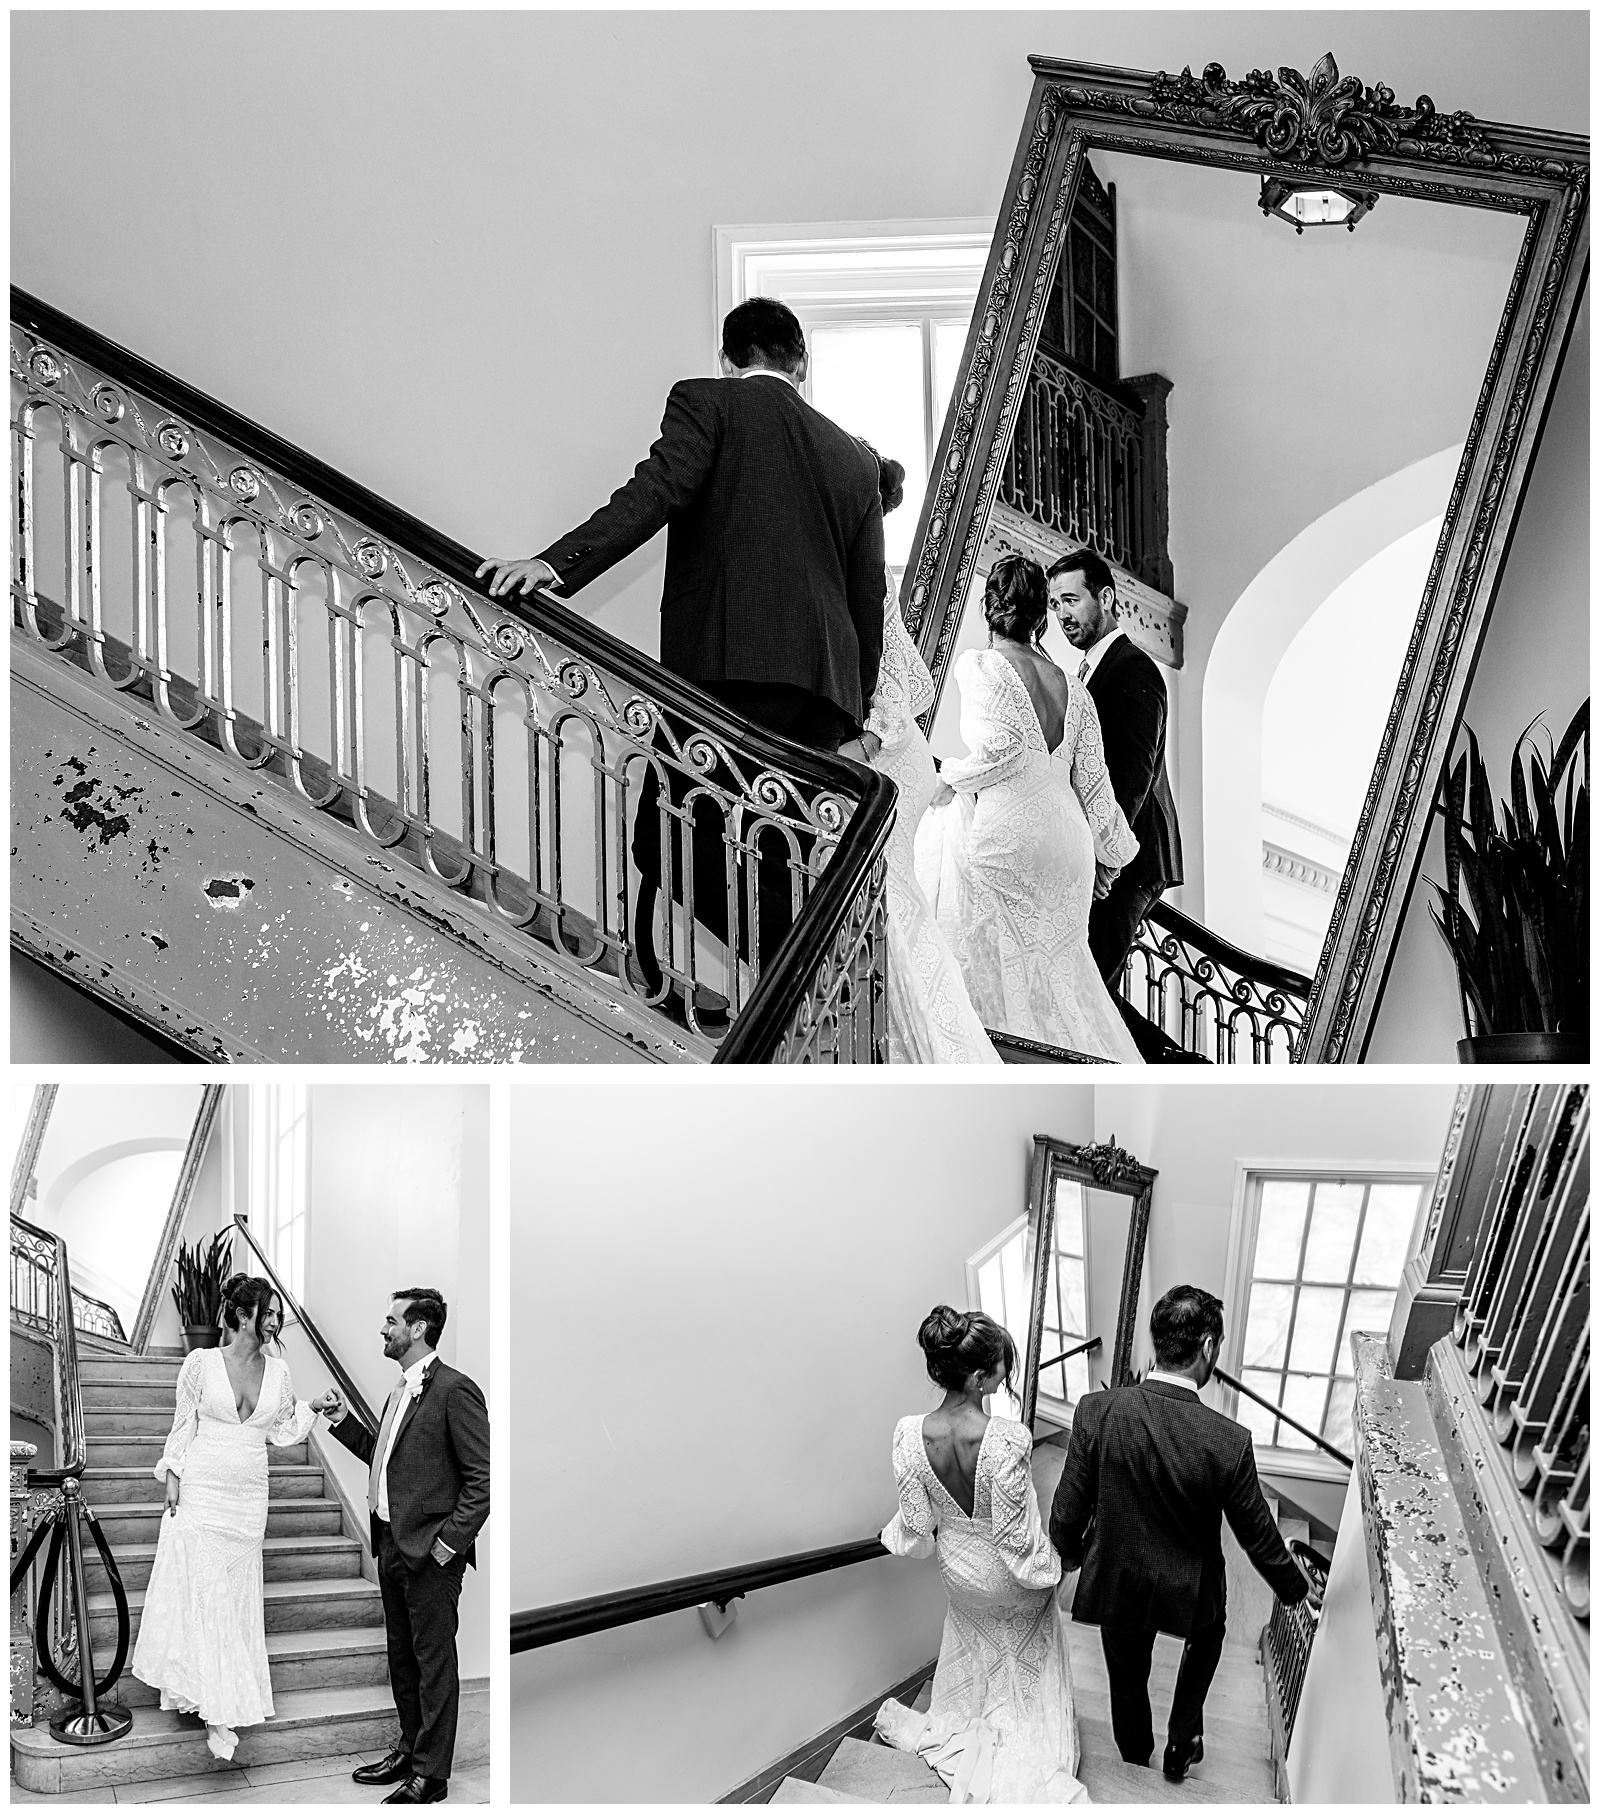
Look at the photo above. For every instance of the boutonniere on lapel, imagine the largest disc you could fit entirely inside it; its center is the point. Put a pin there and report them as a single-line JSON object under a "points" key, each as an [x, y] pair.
{"points": [[415, 1388]]}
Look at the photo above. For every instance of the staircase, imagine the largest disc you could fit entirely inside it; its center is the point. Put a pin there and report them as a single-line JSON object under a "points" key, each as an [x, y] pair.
{"points": [[288, 787], [1236, 1767], [324, 1615]]}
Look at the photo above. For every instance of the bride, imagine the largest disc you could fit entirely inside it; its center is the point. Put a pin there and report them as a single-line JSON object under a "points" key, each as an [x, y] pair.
{"points": [[1000, 1726], [202, 1639], [1025, 830], [930, 1017]]}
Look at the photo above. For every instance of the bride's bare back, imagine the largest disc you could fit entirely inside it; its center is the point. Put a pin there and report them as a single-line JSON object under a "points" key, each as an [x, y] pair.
{"points": [[1047, 688], [952, 1439]]}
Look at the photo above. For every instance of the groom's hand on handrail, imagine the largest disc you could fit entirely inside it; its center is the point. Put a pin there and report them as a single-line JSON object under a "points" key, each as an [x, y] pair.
{"points": [[511, 575]]}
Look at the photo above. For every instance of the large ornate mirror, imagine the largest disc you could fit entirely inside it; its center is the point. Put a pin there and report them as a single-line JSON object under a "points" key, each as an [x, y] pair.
{"points": [[1083, 1251], [111, 1171], [1278, 350]]}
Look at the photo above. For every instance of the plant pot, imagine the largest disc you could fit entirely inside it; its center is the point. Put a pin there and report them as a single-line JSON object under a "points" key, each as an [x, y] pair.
{"points": [[200, 1335], [1524, 1048]]}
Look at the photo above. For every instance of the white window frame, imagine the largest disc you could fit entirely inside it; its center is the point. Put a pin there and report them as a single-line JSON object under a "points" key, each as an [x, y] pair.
{"points": [[1300, 1464], [270, 1103], [1047, 1410], [885, 287]]}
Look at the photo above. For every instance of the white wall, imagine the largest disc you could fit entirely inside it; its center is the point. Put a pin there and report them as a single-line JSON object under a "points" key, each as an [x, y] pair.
{"points": [[399, 1196], [481, 321], [1340, 1748], [721, 1340]]}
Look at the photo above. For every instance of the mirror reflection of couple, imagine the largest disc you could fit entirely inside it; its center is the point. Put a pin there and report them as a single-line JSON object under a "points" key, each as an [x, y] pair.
{"points": [[202, 1636], [779, 603], [1150, 1474]]}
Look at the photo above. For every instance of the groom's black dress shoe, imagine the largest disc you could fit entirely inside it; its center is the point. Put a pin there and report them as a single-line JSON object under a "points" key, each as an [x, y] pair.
{"points": [[421, 1788], [394, 1768], [1176, 1760]]}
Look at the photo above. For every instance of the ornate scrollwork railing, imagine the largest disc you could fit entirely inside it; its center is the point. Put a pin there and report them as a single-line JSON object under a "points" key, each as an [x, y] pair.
{"points": [[1077, 466], [1213, 999], [309, 631], [33, 1287], [1287, 1643], [1522, 1326]]}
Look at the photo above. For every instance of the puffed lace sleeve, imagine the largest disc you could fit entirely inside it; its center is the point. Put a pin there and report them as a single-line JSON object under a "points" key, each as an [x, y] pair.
{"points": [[291, 1419], [910, 1531], [1014, 1523], [185, 1416], [1114, 842], [992, 727], [905, 687]]}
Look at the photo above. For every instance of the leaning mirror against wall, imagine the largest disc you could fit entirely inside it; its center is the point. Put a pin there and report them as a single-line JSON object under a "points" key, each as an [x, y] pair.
{"points": [[1276, 352], [108, 1170]]}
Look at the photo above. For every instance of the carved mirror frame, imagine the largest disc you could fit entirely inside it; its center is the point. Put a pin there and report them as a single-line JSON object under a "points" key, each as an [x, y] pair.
{"points": [[1321, 125], [1100, 1167]]}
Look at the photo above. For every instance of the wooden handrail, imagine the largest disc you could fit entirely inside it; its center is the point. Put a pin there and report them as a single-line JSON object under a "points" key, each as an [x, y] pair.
{"points": [[354, 1397], [576, 1618], [1087, 1347], [194, 1153], [1259, 969]]}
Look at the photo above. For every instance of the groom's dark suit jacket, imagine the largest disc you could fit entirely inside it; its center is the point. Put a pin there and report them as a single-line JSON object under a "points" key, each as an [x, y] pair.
{"points": [[438, 1468], [1149, 1477], [775, 568], [1131, 698]]}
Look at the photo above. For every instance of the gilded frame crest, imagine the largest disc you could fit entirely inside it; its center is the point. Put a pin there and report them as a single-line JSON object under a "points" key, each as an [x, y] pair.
{"points": [[1287, 123]]}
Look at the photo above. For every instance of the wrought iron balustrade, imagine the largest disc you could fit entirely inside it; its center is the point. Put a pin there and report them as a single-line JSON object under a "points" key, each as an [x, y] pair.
{"points": [[1091, 466], [33, 1286], [1287, 1643], [1522, 1323], [253, 598], [1211, 998]]}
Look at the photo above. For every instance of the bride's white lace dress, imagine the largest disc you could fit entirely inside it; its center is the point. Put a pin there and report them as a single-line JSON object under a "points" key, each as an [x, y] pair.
{"points": [[1000, 1726], [930, 1016], [202, 1639], [1009, 862]]}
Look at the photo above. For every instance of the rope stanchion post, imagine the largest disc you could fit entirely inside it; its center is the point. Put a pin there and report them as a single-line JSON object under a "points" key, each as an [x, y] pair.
{"points": [[93, 1722]]}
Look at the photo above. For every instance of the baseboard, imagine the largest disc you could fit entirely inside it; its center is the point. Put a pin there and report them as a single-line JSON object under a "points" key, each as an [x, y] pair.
{"points": [[809, 1760]]}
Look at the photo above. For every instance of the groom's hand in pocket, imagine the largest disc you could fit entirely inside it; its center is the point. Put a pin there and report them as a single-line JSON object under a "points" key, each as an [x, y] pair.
{"points": [[442, 1553]]}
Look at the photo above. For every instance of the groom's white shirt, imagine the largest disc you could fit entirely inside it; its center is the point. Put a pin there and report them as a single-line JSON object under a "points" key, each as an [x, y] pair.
{"points": [[1169, 1379], [410, 1384], [1091, 660], [766, 371]]}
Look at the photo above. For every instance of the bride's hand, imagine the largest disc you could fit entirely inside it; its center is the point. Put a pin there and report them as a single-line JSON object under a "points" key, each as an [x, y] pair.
{"points": [[943, 794], [1104, 876], [328, 1403], [172, 1493]]}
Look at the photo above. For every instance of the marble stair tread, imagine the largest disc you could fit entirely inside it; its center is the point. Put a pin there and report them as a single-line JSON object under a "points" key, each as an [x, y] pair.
{"points": [[924, 1698], [1108, 1779], [880, 1773], [796, 1788], [354, 1587]]}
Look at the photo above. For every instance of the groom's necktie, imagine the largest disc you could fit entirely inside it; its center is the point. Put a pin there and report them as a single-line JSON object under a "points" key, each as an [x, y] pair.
{"points": [[1083, 670], [380, 1455]]}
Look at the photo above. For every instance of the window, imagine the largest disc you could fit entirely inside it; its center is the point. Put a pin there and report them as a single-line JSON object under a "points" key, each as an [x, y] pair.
{"points": [[886, 309], [998, 1280], [280, 1152], [1323, 1257]]}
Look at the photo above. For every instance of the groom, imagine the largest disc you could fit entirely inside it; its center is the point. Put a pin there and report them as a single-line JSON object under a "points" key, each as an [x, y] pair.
{"points": [[773, 600], [1150, 1474], [1131, 698], [428, 1496]]}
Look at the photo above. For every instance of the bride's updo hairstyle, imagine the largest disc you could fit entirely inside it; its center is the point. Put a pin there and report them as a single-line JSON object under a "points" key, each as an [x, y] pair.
{"points": [[244, 1299], [959, 1343], [1016, 598]]}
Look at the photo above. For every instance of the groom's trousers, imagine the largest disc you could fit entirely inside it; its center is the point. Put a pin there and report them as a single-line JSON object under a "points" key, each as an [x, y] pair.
{"points": [[1127, 1654], [419, 1616]]}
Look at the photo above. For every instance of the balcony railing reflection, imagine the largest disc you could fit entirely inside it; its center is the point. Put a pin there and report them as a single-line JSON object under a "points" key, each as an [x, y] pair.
{"points": [[1211, 998]]}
